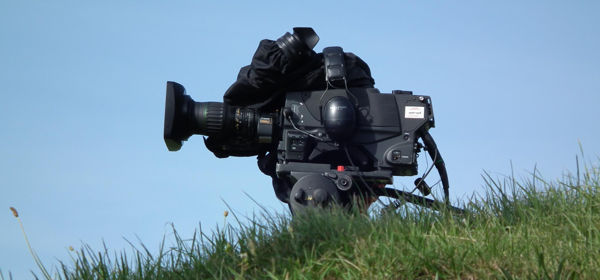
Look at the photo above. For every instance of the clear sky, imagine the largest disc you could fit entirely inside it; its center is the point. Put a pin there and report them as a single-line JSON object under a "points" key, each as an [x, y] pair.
{"points": [[82, 101]]}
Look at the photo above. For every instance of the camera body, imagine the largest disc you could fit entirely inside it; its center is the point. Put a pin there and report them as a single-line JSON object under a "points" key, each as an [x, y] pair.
{"points": [[383, 137]]}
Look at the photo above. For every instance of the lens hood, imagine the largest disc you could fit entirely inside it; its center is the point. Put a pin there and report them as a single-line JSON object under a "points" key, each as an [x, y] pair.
{"points": [[299, 44], [175, 122]]}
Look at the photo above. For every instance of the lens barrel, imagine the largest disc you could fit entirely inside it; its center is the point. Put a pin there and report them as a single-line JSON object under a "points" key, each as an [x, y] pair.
{"points": [[220, 119], [184, 117]]}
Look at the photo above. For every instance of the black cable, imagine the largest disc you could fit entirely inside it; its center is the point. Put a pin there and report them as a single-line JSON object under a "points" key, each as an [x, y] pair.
{"points": [[422, 179], [304, 131], [438, 161], [351, 93], [322, 95], [416, 199], [360, 176], [320, 118], [352, 164]]}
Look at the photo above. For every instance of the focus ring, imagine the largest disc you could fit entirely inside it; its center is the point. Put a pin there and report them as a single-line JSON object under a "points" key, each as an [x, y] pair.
{"points": [[209, 116]]}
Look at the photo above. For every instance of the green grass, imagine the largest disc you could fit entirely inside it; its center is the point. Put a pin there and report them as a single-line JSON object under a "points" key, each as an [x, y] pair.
{"points": [[527, 228]]}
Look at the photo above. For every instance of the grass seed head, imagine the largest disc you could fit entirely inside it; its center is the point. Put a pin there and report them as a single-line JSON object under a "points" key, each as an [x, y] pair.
{"points": [[14, 211]]}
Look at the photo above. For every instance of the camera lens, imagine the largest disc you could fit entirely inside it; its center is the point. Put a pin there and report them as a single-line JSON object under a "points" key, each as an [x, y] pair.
{"points": [[184, 117]]}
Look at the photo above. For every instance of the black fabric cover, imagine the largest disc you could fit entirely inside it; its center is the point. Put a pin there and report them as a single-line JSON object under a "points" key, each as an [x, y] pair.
{"points": [[270, 74]]}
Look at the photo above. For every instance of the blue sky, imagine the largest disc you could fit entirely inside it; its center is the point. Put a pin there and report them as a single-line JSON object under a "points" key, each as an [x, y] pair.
{"points": [[82, 88]]}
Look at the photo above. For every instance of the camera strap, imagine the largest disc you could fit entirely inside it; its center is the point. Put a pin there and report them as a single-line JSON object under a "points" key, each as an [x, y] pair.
{"points": [[335, 69]]}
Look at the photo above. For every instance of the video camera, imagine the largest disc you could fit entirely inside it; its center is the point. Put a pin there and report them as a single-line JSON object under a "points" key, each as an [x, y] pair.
{"points": [[323, 141]]}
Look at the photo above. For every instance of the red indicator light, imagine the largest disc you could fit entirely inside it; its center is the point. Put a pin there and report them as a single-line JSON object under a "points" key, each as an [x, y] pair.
{"points": [[340, 168]]}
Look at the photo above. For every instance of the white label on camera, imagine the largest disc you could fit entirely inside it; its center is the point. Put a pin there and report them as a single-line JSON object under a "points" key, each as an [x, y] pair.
{"points": [[414, 112]]}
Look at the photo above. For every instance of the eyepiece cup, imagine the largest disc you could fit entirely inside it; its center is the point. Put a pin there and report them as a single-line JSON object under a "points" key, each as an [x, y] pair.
{"points": [[307, 35]]}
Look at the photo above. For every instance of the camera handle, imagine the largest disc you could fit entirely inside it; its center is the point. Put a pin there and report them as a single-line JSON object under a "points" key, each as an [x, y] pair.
{"points": [[335, 69]]}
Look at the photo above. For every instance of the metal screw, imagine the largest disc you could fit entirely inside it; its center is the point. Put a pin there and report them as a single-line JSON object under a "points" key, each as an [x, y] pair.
{"points": [[299, 195], [343, 182]]}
